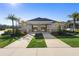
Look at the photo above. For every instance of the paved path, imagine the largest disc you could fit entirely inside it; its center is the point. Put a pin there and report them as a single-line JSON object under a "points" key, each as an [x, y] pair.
{"points": [[21, 49], [53, 42], [39, 52], [22, 42], [1, 32]]}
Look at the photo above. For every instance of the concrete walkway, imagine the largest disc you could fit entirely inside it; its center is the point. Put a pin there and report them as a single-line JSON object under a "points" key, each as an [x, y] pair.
{"points": [[53, 42], [1, 32], [18, 48], [22, 42], [39, 52]]}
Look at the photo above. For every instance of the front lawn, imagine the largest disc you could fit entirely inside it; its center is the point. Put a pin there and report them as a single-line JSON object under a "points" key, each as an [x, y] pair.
{"points": [[37, 41], [72, 40], [6, 38]]}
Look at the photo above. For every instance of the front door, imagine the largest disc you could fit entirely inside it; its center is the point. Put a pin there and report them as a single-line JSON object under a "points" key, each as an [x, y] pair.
{"points": [[43, 29], [39, 28]]}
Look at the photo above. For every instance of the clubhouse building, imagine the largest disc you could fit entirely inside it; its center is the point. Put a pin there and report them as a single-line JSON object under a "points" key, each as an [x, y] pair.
{"points": [[40, 25]]}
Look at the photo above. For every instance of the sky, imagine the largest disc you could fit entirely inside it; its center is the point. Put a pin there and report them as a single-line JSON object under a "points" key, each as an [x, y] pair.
{"points": [[28, 11]]}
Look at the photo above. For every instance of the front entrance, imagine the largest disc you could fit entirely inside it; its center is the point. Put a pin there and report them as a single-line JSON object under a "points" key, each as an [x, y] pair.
{"points": [[39, 28]]}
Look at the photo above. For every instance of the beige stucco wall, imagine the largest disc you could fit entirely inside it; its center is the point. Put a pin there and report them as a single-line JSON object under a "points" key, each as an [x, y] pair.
{"points": [[48, 23], [51, 27]]}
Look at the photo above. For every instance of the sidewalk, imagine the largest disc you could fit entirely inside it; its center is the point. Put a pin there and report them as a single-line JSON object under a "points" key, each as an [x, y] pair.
{"points": [[39, 52], [22, 42], [53, 42]]}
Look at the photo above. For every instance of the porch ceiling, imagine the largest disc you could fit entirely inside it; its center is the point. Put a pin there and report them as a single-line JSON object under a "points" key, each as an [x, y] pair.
{"points": [[39, 22]]}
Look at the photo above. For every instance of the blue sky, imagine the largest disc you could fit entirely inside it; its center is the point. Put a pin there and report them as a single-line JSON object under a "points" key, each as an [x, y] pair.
{"points": [[27, 11]]}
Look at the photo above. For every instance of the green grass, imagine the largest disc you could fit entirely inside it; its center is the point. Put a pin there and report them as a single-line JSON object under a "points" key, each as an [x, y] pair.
{"points": [[73, 41], [6, 40], [37, 42]]}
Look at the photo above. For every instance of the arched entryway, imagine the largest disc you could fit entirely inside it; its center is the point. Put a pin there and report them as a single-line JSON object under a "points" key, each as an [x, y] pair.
{"points": [[39, 28]]}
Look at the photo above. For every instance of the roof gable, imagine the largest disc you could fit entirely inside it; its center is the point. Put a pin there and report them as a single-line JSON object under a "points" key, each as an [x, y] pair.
{"points": [[41, 19]]}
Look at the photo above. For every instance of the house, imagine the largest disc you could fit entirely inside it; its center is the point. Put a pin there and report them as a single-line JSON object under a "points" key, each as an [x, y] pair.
{"points": [[40, 25], [70, 24]]}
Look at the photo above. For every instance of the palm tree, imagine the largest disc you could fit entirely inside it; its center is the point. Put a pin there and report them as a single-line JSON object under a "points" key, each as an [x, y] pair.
{"points": [[12, 18], [17, 22], [75, 16]]}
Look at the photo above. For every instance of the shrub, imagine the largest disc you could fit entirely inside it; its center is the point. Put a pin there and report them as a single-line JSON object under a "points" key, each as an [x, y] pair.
{"points": [[77, 30], [2, 29], [9, 32], [39, 36], [63, 33], [19, 33], [55, 33], [16, 33]]}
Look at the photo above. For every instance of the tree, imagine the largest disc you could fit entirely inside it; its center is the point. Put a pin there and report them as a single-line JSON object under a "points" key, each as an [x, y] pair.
{"points": [[75, 16], [17, 23], [13, 18], [22, 25]]}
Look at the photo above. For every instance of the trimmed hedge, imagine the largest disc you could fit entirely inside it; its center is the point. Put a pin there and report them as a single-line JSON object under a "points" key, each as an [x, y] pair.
{"points": [[16, 33], [39, 36]]}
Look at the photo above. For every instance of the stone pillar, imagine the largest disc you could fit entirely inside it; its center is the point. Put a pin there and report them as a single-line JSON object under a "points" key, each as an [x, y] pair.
{"points": [[39, 27]]}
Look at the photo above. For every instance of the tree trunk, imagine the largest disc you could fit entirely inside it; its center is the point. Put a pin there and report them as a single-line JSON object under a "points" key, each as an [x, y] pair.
{"points": [[13, 27], [74, 25], [16, 25]]}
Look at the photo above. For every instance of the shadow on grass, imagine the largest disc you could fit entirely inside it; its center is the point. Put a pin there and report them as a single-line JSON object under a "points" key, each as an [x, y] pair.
{"points": [[65, 35], [39, 36]]}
